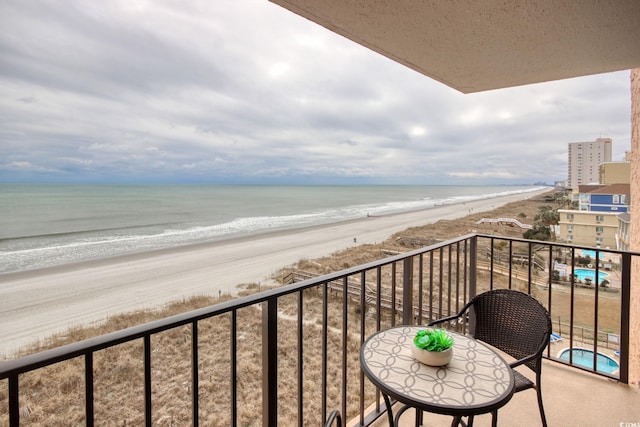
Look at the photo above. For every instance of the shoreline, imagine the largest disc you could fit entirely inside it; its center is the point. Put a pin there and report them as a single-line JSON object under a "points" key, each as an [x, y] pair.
{"points": [[37, 303], [12, 275]]}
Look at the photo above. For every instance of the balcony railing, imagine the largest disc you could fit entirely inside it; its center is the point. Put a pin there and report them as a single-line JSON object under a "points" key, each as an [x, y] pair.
{"points": [[289, 355]]}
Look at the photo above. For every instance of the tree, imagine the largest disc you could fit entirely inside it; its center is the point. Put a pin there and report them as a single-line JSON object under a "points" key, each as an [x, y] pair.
{"points": [[547, 217], [563, 200], [543, 223], [537, 233]]}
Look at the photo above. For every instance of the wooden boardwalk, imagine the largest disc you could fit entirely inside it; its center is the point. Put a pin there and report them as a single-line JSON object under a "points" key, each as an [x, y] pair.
{"points": [[504, 221], [371, 297]]}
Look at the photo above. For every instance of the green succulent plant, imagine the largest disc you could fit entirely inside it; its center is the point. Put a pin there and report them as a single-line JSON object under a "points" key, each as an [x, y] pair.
{"points": [[433, 340]]}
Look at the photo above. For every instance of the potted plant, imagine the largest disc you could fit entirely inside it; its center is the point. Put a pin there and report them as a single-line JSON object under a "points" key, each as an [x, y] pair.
{"points": [[433, 347]]}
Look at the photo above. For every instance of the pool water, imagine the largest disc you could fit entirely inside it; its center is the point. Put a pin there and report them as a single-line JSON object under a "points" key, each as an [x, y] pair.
{"points": [[591, 254], [584, 358], [584, 273]]}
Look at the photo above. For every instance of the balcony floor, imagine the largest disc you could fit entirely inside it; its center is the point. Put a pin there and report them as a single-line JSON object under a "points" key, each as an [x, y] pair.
{"points": [[571, 398]]}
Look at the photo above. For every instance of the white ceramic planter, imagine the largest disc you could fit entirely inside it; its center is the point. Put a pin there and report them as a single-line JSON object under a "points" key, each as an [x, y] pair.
{"points": [[432, 358]]}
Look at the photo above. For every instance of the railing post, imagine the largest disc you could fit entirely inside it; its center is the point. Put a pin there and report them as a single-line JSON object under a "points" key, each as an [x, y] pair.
{"points": [[88, 384], [14, 401], [625, 310], [473, 270], [407, 291], [270, 362], [473, 259], [148, 414], [195, 378]]}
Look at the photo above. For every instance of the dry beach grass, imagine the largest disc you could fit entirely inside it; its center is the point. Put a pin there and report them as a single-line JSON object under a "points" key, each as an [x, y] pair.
{"points": [[54, 396]]}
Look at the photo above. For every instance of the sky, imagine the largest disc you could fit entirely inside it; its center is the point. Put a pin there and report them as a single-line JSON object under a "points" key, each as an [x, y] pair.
{"points": [[244, 91]]}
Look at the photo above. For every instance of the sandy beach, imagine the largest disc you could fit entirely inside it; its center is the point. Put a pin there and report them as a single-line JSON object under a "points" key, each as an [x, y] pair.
{"points": [[36, 304]]}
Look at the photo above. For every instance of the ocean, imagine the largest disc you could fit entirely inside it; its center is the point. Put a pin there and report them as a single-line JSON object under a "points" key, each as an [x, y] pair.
{"points": [[44, 225]]}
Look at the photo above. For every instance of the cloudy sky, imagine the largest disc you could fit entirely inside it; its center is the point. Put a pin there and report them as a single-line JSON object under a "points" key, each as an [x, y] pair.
{"points": [[245, 91]]}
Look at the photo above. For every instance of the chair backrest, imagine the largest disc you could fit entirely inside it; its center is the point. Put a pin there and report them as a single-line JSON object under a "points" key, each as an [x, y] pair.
{"points": [[334, 417], [513, 322]]}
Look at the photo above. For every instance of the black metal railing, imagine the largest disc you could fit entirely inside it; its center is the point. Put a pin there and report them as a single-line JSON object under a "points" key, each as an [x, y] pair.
{"points": [[293, 351], [586, 290]]}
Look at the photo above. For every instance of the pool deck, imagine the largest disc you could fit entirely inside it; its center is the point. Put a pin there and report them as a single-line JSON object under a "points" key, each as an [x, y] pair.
{"points": [[557, 347], [571, 398], [614, 277]]}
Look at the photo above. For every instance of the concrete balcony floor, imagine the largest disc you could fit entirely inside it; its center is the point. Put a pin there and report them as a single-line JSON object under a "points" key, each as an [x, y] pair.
{"points": [[571, 398]]}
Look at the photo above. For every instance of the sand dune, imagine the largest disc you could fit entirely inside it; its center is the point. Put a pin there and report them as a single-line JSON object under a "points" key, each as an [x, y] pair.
{"points": [[36, 304]]}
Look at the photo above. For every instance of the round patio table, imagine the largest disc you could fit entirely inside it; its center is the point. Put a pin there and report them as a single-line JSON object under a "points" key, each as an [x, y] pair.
{"points": [[476, 381]]}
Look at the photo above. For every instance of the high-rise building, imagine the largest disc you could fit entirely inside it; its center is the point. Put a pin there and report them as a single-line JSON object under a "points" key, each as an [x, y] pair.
{"points": [[585, 159]]}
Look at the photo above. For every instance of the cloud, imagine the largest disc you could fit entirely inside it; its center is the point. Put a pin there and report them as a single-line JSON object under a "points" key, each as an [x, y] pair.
{"points": [[248, 91], [496, 174], [23, 166]]}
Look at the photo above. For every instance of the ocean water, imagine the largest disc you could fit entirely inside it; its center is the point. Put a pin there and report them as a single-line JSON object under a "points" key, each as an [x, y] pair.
{"points": [[43, 225]]}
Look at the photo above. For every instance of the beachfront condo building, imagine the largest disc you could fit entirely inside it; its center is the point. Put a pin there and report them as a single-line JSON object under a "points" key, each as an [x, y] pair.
{"points": [[623, 236], [615, 173], [604, 198], [595, 222], [597, 229], [585, 159]]}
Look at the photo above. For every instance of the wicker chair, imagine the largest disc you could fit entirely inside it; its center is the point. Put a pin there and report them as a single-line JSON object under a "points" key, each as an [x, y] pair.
{"points": [[334, 417], [515, 323]]}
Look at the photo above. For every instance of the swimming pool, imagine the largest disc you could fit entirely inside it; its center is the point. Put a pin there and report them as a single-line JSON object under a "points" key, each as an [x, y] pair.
{"points": [[584, 357], [584, 273], [591, 254]]}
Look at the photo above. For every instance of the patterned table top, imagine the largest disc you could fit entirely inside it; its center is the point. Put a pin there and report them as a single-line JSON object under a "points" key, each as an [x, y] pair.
{"points": [[476, 381]]}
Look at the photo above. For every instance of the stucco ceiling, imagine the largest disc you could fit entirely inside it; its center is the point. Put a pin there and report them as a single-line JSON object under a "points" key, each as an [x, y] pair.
{"points": [[488, 44]]}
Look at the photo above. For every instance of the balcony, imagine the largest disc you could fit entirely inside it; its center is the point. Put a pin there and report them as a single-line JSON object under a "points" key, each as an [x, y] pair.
{"points": [[289, 355], [570, 398]]}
